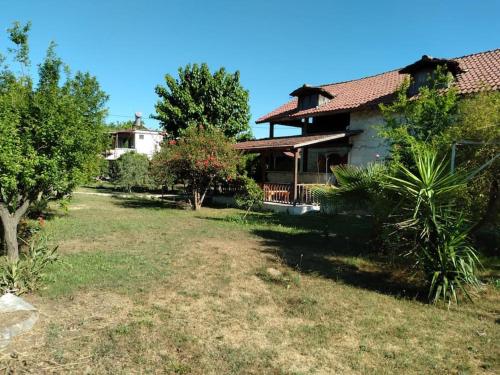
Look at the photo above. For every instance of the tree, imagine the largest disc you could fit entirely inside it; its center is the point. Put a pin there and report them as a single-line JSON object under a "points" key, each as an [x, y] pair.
{"points": [[51, 133], [437, 116], [478, 119], [199, 97], [159, 171], [132, 169], [420, 119], [200, 157]]}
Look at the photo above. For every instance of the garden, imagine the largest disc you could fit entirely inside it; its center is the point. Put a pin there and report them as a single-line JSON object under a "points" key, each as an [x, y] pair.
{"points": [[399, 273], [140, 284]]}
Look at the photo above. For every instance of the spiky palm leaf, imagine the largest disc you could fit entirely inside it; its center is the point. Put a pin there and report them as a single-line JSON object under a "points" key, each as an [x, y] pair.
{"points": [[429, 195], [356, 186]]}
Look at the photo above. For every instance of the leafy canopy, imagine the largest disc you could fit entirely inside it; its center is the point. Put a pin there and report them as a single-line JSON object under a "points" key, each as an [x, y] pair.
{"points": [[421, 118], [199, 97], [201, 156], [51, 132]]}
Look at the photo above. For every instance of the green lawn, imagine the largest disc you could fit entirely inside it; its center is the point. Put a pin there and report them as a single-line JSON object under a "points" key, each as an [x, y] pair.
{"points": [[147, 288]]}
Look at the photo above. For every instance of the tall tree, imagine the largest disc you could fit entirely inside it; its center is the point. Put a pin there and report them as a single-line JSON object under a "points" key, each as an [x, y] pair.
{"points": [[200, 97], [51, 133]]}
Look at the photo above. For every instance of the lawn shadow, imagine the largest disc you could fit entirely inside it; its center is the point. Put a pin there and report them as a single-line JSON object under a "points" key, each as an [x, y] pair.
{"points": [[334, 247], [138, 202]]}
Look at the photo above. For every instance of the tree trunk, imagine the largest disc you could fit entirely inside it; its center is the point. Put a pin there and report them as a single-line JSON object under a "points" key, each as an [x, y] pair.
{"points": [[196, 200], [3, 246], [10, 222]]}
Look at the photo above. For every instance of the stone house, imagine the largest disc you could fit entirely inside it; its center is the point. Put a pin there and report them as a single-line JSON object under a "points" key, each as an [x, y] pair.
{"points": [[338, 121]]}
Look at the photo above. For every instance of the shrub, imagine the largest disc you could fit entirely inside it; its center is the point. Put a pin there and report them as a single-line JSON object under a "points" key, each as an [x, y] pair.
{"points": [[199, 158], [160, 174], [27, 273], [359, 188], [436, 233], [250, 196], [132, 171]]}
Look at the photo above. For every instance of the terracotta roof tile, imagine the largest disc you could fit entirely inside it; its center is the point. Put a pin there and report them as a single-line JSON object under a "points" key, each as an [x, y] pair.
{"points": [[481, 70]]}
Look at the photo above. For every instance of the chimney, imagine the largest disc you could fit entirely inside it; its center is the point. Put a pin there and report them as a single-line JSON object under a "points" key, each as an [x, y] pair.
{"points": [[137, 122]]}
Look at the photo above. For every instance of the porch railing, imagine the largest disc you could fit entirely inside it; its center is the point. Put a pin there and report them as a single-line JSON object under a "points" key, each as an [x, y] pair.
{"points": [[278, 193], [273, 192], [283, 193]]}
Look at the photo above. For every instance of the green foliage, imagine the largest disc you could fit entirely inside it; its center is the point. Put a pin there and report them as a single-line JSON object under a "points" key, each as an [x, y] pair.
{"points": [[435, 230], [19, 36], [124, 125], [250, 196], [358, 188], [160, 173], [200, 157], [420, 119], [437, 117], [27, 273], [51, 132], [132, 170], [478, 120], [199, 97]]}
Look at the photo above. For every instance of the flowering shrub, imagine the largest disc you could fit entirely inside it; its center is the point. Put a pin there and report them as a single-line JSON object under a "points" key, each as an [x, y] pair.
{"points": [[200, 157]]}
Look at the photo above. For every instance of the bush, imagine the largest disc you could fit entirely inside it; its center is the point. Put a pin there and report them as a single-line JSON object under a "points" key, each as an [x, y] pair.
{"points": [[201, 157], [27, 273], [250, 196], [132, 171], [436, 234]]}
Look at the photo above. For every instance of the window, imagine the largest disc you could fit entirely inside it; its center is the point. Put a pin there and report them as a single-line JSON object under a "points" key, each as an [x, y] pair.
{"points": [[141, 136]]}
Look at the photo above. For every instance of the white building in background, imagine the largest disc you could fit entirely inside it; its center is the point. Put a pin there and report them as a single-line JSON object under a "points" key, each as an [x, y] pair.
{"points": [[137, 139]]}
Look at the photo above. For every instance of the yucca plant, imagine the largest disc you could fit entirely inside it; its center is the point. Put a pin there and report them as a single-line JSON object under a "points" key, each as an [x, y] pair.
{"points": [[429, 196]]}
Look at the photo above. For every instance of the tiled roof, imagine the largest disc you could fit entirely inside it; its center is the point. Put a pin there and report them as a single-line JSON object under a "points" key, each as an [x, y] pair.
{"points": [[294, 142], [480, 70]]}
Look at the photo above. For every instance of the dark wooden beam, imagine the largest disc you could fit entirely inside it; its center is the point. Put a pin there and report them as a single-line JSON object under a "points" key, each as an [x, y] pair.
{"points": [[295, 174], [271, 130]]}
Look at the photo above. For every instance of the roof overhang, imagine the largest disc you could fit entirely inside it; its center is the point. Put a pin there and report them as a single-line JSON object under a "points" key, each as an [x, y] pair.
{"points": [[292, 143]]}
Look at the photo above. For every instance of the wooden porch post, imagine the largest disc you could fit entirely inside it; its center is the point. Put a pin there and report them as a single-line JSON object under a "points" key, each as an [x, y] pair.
{"points": [[271, 130], [295, 174]]}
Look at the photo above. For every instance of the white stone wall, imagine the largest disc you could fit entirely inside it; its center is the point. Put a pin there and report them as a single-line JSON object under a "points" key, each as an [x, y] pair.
{"points": [[368, 146]]}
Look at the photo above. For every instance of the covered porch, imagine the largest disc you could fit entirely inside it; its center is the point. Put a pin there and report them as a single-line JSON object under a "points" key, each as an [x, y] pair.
{"points": [[289, 167]]}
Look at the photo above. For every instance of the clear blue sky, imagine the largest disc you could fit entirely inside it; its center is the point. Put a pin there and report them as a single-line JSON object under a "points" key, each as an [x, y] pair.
{"points": [[277, 45]]}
